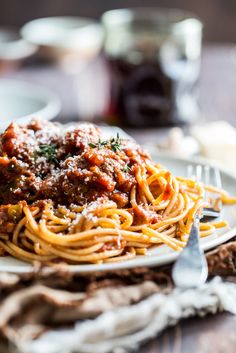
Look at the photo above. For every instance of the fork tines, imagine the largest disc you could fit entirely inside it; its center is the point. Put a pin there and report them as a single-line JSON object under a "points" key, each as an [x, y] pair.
{"points": [[209, 176]]}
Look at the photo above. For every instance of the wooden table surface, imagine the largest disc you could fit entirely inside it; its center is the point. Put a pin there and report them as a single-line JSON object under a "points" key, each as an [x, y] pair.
{"points": [[218, 101]]}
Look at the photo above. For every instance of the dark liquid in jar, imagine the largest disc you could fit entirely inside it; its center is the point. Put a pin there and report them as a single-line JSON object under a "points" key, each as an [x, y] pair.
{"points": [[143, 94]]}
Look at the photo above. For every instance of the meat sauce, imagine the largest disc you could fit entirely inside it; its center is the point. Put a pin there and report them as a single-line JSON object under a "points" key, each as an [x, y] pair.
{"points": [[41, 161]]}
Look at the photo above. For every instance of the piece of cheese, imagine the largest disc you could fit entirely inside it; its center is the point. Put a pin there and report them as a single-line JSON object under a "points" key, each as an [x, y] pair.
{"points": [[217, 141]]}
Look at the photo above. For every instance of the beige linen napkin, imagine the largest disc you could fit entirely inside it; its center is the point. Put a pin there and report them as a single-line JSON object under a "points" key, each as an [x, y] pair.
{"points": [[53, 311]]}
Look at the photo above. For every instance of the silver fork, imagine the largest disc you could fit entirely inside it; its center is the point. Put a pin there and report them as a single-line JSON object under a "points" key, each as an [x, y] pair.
{"points": [[190, 269]]}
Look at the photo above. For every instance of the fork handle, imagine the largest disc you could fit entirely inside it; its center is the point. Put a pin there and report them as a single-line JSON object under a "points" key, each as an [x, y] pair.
{"points": [[190, 269], [194, 236]]}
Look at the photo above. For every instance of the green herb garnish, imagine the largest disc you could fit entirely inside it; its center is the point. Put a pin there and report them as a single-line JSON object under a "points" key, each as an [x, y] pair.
{"points": [[100, 144], [47, 151], [92, 145], [126, 168], [116, 143]]}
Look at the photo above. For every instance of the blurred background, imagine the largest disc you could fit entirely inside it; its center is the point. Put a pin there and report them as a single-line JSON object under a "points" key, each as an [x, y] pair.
{"points": [[152, 69], [218, 16]]}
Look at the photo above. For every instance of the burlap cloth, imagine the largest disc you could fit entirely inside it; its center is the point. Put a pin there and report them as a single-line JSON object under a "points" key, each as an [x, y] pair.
{"points": [[59, 312]]}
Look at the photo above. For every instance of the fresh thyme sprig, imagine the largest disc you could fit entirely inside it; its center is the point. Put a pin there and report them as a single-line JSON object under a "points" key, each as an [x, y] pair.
{"points": [[113, 143], [100, 144], [126, 168], [116, 143], [47, 151], [92, 145]]}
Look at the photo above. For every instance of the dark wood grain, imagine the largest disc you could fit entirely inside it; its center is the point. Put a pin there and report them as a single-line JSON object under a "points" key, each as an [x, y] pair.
{"points": [[197, 335], [217, 97]]}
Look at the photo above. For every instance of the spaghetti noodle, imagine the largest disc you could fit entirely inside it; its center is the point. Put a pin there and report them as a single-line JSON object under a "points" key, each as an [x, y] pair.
{"points": [[154, 207]]}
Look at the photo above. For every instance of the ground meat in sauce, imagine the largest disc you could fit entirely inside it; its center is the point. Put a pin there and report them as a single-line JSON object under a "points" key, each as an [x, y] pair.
{"points": [[41, 161]]}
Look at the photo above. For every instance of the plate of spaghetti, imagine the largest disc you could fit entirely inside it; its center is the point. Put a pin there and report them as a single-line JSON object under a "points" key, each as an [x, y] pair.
{"points": [[69, 196]]}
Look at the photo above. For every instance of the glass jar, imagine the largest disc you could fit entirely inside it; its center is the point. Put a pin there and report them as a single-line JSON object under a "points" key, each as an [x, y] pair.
{"points": [[153, 57]]}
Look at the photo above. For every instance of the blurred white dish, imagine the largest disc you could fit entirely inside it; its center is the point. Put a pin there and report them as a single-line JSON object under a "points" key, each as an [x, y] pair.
{"points": [[20, 101], [62, 36], [13, 49], [13, 46]]}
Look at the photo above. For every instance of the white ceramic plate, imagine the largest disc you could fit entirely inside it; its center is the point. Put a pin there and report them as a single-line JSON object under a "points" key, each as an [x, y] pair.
{"points": [[159, 255]]}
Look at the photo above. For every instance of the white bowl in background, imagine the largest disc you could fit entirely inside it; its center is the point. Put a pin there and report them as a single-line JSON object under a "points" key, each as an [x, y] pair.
{"points": [[13, 49], [13, 46], [61, 36], [21, 101]]}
